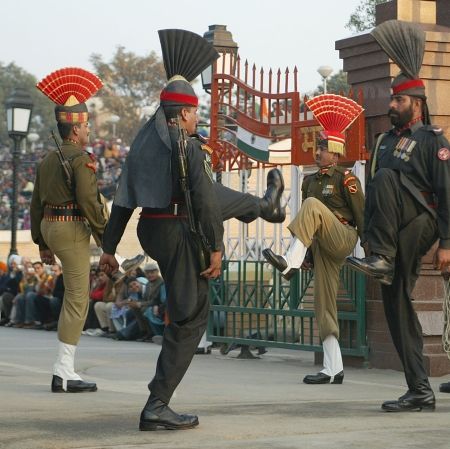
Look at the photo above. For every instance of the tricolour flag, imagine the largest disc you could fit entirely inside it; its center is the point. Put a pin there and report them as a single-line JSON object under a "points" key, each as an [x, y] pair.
{"points": [[256, 147]]}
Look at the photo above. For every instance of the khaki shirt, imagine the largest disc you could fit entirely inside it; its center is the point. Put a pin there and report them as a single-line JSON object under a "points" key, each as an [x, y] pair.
{"points": [[51, 188], [340, 190]]}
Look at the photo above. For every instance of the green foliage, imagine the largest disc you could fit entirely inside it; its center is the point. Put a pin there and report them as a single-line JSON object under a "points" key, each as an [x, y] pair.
{"points": [[131, 82], [364, 16], [336, 84], [43, 117]]}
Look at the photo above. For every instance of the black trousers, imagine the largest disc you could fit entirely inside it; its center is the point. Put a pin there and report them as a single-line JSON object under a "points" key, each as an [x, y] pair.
{"points": [[169, 242], [398, 226]]}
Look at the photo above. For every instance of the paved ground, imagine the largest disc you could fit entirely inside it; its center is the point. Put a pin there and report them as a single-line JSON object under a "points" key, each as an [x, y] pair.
{"points": [[251, 404]]}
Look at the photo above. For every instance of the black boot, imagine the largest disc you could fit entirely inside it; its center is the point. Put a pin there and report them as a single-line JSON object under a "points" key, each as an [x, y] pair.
{"points": [[157, 413], [322, 378], [73, 386], [279, 263], [445, 387], [379, 266], [412, 401], [271, 209]]}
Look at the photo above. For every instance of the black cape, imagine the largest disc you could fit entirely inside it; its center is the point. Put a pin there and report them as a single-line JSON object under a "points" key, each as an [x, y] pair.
{"points": [[146, 179]]}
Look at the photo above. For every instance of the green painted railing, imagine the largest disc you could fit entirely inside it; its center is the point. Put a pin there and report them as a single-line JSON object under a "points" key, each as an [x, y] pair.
{"points": [[251, 304]]}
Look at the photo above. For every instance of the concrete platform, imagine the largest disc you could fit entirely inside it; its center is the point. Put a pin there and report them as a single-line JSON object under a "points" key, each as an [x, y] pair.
{"points": [[251, 404]]}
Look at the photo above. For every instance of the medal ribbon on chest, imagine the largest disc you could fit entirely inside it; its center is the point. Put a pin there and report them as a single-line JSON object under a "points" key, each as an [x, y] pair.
{"points": [[404, 148]]}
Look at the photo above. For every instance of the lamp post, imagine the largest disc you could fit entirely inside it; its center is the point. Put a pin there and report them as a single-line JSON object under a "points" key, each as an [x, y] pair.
{"points": [[325, 71], [18, 116], [222, 40], [114, 119]]}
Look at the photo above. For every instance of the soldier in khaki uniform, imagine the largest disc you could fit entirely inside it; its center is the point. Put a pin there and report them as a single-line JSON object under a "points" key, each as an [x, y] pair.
{"points": [[325, 231], [63, 217]]}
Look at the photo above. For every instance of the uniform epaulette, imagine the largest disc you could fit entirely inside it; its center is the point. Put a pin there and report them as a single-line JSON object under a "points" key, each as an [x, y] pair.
{"points": [[434, 129], [199, 137]]}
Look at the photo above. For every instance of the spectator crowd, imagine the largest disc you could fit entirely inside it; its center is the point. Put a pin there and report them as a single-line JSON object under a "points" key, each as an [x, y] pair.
{"points": [[131, 306]]}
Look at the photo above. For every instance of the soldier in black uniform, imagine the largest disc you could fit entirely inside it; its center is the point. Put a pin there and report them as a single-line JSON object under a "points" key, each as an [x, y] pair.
{"points": [[407, 209], [151, 180]]}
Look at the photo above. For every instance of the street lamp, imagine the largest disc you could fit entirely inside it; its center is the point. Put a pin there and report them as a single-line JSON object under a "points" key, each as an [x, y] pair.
{"points": [[18, 116], [325, 71], [222, 40], [114, 119]]}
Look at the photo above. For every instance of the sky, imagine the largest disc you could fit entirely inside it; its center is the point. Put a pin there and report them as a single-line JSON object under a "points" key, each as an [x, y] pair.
{"points": [[44, 35]]}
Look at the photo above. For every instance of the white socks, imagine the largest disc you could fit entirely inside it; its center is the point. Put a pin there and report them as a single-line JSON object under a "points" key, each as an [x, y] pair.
{"points": [[295, 255], [204, 343], [64, 366], [332, 357]]}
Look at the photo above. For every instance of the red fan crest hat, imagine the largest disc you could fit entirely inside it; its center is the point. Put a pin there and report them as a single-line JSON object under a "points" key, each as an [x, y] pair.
{"points": [[70, 88], [335, 113]]}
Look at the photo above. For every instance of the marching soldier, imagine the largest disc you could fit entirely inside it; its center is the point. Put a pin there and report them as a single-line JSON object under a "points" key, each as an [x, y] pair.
{"points": [[65, 210], [326, 228], [407, 207], [169, 176]]}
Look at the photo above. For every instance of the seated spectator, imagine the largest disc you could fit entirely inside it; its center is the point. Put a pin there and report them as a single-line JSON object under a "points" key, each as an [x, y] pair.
{"points": [[155, 297], [101, 287], [130, 300], [15, 275], [56, 299], [28, 314]]}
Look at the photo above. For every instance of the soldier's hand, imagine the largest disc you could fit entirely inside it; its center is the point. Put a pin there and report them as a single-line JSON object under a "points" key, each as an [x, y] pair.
{"points": [[47, 256], [213, 271], [441, 259], [108, 263]]}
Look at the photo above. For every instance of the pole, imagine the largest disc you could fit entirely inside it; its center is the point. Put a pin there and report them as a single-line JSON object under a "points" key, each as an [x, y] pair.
{"points": [[16, 162], [324, 84]]}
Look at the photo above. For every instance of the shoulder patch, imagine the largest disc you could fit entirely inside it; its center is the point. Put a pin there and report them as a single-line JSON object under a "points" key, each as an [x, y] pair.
{"points": [[349, 179], [207, 148], [352, 188], [92, 166], [443, 154]]}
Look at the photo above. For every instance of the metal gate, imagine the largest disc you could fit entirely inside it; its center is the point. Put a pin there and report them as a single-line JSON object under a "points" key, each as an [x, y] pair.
{"points": [[251, 304]]}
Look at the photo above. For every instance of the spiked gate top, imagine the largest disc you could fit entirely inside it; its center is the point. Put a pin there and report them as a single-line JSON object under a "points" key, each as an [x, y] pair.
{"points": [[335, 113], [185, 56], [70, 88], [404, 43]]}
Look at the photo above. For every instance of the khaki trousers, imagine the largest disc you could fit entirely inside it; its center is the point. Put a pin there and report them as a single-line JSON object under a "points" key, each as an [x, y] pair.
{"points": [[331, 242], [69, 241]]}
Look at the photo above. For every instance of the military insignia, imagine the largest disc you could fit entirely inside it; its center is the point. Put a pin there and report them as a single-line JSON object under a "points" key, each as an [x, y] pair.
{"points": [[207, 149], [349, 179], [353, 188], [92, 166], [404, 148], [328, 190], [207, 167], [443, 154]]}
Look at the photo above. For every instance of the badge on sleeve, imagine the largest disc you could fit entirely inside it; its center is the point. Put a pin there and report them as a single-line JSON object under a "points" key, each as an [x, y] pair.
{"points": [[443, 154], [92, 166], [208, 167]]}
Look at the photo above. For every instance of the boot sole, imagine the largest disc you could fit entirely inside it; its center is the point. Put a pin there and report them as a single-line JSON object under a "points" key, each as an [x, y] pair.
{"points": [[419, 408], [382, 278], [151, 426]]}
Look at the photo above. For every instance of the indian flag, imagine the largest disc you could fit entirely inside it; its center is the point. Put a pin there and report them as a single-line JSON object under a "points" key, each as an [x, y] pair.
{"points": [[256, 147]]}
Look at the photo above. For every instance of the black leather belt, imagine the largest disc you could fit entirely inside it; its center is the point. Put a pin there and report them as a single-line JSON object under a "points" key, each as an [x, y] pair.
{"points": [[174, 210]]}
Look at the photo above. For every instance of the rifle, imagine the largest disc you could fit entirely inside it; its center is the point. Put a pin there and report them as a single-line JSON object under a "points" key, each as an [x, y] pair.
{"points": [[203, 247], [65, 164]]}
